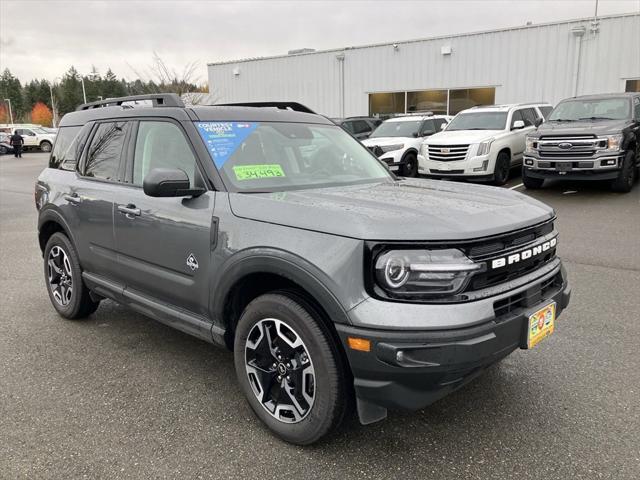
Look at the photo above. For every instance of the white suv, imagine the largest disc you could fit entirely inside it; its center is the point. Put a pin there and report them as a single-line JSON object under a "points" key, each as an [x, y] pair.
{"points": [[481, 143], [397, 141]]}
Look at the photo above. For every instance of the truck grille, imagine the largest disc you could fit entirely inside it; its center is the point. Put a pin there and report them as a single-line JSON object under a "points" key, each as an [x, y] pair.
{"points": [[574, 147], [448, 153], [514, 304]]}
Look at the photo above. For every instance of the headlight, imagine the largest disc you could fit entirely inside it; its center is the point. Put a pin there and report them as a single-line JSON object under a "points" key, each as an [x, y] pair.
{"points": [[391, 148], [530, 145], [484, 147], [423, 273], [613, 142]]}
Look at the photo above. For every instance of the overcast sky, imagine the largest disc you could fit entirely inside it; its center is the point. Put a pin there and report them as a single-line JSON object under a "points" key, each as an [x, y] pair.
{"points": [[41, 39]]}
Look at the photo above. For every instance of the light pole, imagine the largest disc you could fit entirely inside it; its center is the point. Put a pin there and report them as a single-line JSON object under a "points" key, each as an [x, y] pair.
{"points": [[84, 92], [8, 100], [53, 105]]}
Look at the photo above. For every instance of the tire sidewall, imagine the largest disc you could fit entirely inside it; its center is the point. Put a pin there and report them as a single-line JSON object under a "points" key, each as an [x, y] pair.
{"points": [[411, 160], [45, 146], [626, 179], [315, 424], [501, 160], [73, 307]]}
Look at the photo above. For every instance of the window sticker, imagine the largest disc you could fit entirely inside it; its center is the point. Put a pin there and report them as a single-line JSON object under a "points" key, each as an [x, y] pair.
{"points": [[254, 172], [223, 138]]}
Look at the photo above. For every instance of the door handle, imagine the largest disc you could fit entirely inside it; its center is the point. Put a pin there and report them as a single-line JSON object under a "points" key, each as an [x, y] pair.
{"points": [[73, 198], [129, 210]]}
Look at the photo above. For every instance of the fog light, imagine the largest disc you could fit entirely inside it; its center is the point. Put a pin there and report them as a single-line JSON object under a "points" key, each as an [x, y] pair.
{"points": [[483, 167], [608, 162], [360, 344], [528, 162]]}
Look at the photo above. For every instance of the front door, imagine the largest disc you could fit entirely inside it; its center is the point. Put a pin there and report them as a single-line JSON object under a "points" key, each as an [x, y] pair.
{"points": [[29, 137], [164, 244]]}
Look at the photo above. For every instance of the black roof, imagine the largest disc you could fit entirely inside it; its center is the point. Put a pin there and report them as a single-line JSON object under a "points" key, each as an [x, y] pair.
{"points": [[170, 105]]}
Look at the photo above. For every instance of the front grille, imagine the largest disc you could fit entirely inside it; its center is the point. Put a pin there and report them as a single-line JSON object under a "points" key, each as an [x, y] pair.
{"points": [[446, 172], [448, 153], [533, 295], [574, 147], [376, 150]]}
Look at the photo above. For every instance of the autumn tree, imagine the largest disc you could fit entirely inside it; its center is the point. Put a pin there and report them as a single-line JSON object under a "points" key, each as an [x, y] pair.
{"points": [[4, 114], [41, 115]]}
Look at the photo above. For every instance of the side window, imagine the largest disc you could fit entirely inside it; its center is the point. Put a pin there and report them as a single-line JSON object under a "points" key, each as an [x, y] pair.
{"points": [[529, 116], [428, 128], [517, 115], [545, 111], [360, 126], [103, 156], [636, 108], [348, 126], [161, 145], [438, 123]]}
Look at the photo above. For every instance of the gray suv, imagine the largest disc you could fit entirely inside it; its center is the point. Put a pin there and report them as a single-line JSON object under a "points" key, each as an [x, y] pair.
{"points": [[269, 230]]}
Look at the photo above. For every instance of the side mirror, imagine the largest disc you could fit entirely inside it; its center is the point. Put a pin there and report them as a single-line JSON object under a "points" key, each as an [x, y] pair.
{"points": [[415, 134], [538, 122], [169, 182], [517, 125]]}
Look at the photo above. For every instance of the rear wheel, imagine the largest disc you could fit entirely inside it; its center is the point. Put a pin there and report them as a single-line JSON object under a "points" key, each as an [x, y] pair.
{"points": [[67, 292], [289, 368], [530, 182], [501, 170], [627, 176], [410, 167], [45, 146], [3, 150]]}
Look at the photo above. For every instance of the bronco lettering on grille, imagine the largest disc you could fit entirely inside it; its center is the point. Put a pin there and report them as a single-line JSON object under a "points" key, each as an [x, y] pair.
{"points": [[524, 254]]}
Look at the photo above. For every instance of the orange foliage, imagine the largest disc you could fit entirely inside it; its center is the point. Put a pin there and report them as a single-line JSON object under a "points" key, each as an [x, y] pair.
{"points": [[41, 114], [4, 114]]}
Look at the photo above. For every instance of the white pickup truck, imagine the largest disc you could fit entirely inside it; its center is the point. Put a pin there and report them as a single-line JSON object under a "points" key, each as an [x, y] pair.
{"points": [[34, 137], [481, 143]]}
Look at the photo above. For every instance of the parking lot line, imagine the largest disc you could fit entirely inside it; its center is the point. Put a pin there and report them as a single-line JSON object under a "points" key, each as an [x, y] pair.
{"points": [[516, 186]]}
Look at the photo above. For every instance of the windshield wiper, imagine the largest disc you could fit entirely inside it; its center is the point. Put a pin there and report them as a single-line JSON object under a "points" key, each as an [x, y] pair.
{"points": [[596, 118], [562, 120]]}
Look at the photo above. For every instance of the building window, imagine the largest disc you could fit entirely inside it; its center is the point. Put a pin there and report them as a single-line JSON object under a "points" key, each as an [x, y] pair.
{"points": [[632, 86], [386, 103], [427, 101], [462, 99]]}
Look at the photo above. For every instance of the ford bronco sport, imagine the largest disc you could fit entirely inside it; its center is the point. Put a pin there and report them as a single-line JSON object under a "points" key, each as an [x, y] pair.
{"points": [[271, 231], [593, 137]]}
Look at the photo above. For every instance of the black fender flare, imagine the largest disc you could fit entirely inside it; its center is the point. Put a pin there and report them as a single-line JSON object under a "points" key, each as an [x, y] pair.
{"points": [[277, 262], [51, 214]]}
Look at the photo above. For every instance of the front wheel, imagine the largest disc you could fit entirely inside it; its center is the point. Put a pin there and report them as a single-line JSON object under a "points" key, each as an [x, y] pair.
{"points": [[410, 167], [289, 368], [501, 169], [45, 146], [531, 182], [627, 176]]}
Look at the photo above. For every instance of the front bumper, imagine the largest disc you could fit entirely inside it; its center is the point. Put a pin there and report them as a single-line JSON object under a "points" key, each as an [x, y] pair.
{"points": [[412, 369], [601, 167], [476, 167]]}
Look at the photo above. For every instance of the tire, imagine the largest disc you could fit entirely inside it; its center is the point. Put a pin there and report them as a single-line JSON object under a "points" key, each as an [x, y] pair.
{"points": [[410, 167], [530, 182], [312, 371], [501, 169], [45, 146], [3, 150], [77, 303], [627, 176]]}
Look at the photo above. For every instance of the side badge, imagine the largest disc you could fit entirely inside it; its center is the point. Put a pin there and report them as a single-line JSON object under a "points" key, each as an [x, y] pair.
{"points": [[192, 262]]}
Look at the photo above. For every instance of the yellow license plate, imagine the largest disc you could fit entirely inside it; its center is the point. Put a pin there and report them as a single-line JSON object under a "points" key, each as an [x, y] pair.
{"points": [[541, 325]]}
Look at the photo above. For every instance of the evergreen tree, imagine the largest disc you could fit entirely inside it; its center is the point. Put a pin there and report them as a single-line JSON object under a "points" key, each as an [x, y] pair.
{"points": [[11, 88], [70, 92]]}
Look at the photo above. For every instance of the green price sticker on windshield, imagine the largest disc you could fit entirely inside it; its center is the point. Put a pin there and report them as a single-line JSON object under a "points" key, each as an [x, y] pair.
{"points": [[255, 172]]}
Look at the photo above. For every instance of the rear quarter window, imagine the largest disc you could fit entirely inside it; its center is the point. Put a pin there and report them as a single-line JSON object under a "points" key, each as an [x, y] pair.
{"points": [[66, 149]]}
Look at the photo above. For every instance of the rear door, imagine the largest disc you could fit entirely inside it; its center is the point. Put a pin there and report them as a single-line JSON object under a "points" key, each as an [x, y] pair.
{"points": [[164, 244]]}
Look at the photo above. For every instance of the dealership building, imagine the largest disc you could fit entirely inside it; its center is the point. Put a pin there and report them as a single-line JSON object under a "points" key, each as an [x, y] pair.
{"points": [[446, 74]]}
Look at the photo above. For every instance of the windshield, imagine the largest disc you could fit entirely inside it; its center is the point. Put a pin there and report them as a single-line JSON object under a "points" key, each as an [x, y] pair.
{"points": [[397, 129], [594, 109], [478, 121], [274, 156]]}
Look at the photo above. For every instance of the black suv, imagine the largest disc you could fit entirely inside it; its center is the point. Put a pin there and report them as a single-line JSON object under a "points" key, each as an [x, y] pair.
{"points": [[359, 127], [271, 231], [593, 137]]}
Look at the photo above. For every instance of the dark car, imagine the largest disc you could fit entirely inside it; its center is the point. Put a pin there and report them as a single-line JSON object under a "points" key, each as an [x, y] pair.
{"points": [[359, 127], [593, 137], [5, 145], [269, 230]]}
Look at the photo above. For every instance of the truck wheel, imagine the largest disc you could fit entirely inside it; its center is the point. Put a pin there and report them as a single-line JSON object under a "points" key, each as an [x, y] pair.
{"points": [[410, 168], [3, 150], [67, 292], [501, 170], [289, 368], [45, 146], [627, 175], [530, 182]]}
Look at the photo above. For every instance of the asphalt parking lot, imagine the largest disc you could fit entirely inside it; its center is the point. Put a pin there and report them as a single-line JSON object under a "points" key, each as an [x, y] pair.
{"points": [[121, 396]]}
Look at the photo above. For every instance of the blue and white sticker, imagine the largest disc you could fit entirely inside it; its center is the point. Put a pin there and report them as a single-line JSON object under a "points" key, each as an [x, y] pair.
{"points": [[223, 138]]}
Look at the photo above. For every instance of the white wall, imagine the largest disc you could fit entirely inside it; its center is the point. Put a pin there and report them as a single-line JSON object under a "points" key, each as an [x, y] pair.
{"points": [[524, 64]]}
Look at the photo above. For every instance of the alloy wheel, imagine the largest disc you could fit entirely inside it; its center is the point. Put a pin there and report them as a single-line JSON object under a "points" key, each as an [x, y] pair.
{"points": [[280, 370], [60, 276]]}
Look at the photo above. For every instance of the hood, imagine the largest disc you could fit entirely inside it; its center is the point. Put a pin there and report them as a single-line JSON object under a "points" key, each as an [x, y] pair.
{"points": [[371, 142], [463, 136], [595, 127], [413, 209]]}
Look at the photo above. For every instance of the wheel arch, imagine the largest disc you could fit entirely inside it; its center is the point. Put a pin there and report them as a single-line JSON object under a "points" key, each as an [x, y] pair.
{"points": [[51, 221]]}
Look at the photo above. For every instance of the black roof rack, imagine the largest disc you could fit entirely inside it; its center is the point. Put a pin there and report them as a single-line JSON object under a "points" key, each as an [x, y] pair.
{"points": [[295, 106], [157, 100]]}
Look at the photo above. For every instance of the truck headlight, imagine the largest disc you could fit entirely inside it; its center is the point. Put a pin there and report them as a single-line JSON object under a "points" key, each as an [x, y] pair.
{"points": [[391, 148], [484, 147], [423, 273], [530, 145], [614, 142]]}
